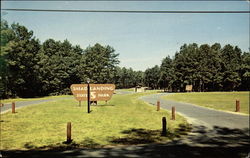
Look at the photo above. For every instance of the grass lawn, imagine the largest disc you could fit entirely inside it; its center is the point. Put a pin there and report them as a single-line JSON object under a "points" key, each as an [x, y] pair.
{"points": [[217, 100], [28, 99], [124, 120]]}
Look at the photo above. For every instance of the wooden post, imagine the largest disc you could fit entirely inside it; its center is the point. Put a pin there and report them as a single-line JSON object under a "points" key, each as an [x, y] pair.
{"points": [[173, 113], [69, 132], [164, 126], [79, 103], [158, 105], [13, 107], [237, 106]]}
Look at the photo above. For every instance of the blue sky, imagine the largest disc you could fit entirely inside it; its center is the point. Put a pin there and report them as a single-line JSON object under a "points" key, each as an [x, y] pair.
{"points": [[142, 40]]}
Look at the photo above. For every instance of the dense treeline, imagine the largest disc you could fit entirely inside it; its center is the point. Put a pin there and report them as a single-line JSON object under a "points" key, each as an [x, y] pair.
{"points": [[30, 68], [207, 68], [127, 78]]}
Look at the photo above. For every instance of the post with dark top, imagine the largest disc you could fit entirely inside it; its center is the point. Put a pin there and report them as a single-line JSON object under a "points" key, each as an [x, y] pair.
{"points": [[158, 105], [237, 106], [164, 126], [1, 105], [173, 113], [13, 107], [88, 80], [69, 132]]}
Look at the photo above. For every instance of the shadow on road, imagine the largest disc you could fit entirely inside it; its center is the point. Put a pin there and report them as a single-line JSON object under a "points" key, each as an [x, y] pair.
{"points": [[217, 142]]}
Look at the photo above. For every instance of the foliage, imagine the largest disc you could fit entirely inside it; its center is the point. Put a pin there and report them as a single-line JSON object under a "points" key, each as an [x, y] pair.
{"points": [[21, 62], [207, 68], [166, 72], [98, 64], [29, 68], [152, 77], [58, 66], [127, 78]]}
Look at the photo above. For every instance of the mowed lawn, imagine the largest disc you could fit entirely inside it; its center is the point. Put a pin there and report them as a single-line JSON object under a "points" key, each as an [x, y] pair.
{"points": [[217, 100], [123, 120]]}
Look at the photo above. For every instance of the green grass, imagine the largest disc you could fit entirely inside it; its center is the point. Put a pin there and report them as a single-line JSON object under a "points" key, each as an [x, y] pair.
{"points": [[29, 99], [217, 100], [124, 120]]}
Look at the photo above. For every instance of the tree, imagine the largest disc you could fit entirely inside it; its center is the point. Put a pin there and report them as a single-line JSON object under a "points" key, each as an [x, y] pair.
{"points": [[245, 71], [7, 35], [217, 75], [152, 76], [138, 78], [21, 57], [166, 73], [231, 61], [186, 67], [58, 66], [99, 64]]}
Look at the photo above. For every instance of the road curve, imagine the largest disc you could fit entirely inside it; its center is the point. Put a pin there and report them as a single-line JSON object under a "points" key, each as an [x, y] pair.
{"points": [[210, 128], [198, 115], [19, 104], [214, 134]]}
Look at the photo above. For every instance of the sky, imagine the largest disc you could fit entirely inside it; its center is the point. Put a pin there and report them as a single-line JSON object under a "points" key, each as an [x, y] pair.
{"points": [[142, 40]]}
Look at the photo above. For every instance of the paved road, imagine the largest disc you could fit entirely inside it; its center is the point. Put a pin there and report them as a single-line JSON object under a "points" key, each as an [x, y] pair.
{"points": [[121, 92], [214, 134], [201, 116], [20, 104], [210, 128]]}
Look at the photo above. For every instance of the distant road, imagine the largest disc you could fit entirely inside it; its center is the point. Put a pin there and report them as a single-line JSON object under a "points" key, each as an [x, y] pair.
{"points": [[123, 92], [20, 104]]}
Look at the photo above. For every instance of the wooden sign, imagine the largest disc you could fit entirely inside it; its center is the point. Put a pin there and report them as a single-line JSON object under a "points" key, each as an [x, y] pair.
{"points": [[98, 92], [189, 88]]}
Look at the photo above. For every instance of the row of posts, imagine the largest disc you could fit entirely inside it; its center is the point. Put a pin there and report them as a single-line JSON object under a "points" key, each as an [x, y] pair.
{"points": [[164, 121], [159, 106], [68, 130], [237, 107], [13, 107]]}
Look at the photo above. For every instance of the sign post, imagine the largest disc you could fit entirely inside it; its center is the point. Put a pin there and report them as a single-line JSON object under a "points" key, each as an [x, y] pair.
{"points": [[92, 92], [88, 80]]}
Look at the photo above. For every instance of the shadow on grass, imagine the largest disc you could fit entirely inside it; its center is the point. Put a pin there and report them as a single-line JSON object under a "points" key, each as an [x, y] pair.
{"points": [[86, 143], [144, 136], [202, 142]]}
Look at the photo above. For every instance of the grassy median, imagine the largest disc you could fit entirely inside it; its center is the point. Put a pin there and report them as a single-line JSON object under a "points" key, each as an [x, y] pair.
{"points": [[217, 100], [123, 120]]}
